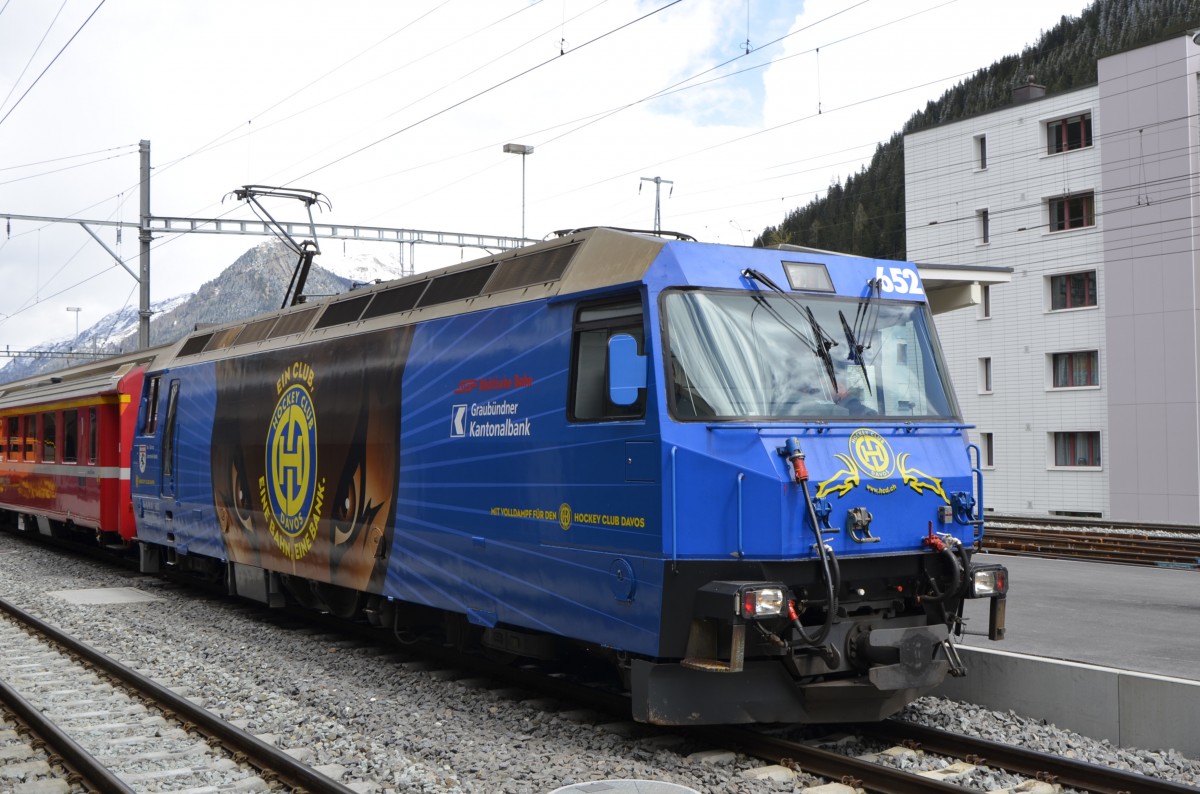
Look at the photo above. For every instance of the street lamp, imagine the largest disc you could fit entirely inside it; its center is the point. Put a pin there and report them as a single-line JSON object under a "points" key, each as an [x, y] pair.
{"points": [[523, 150], [738, 226], [77, 310]]}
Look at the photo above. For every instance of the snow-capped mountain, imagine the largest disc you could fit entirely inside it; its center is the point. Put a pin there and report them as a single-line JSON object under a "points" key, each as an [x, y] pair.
{"points": [[362, 265], [255, 283]]}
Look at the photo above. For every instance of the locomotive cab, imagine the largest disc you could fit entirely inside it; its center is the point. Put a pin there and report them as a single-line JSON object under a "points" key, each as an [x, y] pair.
{"points": [[814, 443]]}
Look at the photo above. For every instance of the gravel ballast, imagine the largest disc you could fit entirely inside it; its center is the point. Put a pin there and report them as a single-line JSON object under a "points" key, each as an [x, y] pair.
{"points": [[380, 724]]}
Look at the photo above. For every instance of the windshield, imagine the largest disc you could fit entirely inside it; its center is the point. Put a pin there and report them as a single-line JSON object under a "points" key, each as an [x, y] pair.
{"points": [[740, 355]]}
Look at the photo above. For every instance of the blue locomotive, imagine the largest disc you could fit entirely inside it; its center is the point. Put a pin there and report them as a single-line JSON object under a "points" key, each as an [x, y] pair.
{"points": [[739, 475]]}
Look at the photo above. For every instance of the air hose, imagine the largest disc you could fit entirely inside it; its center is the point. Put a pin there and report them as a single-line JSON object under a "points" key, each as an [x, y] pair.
{"points": [[951, 549], [832, 580]]}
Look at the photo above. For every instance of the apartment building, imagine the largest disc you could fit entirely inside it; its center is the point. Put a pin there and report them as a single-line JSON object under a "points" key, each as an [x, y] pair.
{"points": [[1080, 375]]}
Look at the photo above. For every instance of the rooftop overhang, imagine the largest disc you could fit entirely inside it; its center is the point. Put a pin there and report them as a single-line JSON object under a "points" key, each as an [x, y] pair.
{"points": [[951, 287]]}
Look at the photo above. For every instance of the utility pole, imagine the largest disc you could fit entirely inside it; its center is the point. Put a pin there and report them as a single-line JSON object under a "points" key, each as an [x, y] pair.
{"points": [[144, 238], [149, 224], [658, 183]]}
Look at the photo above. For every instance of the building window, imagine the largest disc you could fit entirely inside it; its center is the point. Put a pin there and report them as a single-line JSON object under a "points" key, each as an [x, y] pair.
{"points": [[984, 230], [1077, 449], [1073, 370], [1076, 211], [981, 151], [987, 447], [985, 376], [1073, 132], [985, 301], [1073, 290]]}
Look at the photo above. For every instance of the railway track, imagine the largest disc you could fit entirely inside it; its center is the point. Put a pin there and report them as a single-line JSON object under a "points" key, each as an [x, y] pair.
{"points": [[958, 757], [107, 728], [1131, 544]]}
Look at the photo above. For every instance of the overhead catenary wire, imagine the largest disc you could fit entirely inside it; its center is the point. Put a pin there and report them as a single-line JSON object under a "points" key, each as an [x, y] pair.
{"points": [[52, 61], [773, 199], [33, 55], [480, 93]]}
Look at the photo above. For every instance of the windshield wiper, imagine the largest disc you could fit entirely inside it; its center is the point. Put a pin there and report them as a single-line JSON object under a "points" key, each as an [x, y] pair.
{"points": [[822, 341], [866, 321], [856, 350]]}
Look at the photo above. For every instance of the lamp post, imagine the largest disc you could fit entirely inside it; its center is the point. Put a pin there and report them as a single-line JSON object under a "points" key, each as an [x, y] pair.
{"points": [[738, 226], [523, 150], [77, 310]]}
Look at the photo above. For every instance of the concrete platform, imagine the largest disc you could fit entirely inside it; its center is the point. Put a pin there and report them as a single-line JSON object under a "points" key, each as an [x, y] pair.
{"points": [[1135, 618], [1128, 709], [1110, 651]]}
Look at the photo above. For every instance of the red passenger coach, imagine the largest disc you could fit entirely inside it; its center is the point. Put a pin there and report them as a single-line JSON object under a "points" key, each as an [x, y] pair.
{"points": [[65, 441]]}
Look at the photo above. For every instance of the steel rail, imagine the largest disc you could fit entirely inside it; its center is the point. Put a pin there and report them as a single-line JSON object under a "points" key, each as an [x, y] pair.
{"points": [[95, 775], [1061, 521], [266, 757], [1067, 772], [832, 766], [1137, 549]]}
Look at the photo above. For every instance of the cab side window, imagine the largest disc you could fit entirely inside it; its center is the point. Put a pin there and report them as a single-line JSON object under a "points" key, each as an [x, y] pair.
{"points": [[168, 445], [595, 324], [150, 409]]}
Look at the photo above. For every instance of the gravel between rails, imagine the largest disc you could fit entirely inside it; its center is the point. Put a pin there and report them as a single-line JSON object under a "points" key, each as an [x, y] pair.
{"points": [[402, 728]]}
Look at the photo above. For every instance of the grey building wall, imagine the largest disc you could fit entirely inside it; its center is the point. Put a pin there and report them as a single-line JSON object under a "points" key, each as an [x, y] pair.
{"points": [[1150, 184], [946, 189], [1144, 170]]}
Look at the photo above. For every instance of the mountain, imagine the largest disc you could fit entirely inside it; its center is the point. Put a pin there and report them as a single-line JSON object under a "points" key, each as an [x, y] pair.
{"points": [[253, 284], [865, 215]]}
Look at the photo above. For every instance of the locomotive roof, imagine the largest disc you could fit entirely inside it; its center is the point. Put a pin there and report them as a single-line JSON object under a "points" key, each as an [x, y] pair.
{"points": [[579, 262], [576, 262], [84, 380]]}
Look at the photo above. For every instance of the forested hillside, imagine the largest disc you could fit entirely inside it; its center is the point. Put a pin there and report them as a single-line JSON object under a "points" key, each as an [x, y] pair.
{"points": [[865, 215]]}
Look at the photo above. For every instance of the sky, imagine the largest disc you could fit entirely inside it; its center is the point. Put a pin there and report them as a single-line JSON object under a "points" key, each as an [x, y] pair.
{"points": [[398, 113]]}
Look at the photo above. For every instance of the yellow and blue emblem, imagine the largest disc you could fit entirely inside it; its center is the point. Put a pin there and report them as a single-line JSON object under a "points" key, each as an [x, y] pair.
{"points": [[870, 453], [290, 491]]}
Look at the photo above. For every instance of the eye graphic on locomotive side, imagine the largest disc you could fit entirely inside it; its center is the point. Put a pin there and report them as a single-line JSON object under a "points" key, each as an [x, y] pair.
{"points": [[305, 457]]}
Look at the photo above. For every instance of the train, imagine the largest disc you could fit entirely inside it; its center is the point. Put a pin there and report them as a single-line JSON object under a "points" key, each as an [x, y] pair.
{"points": [[736, 477]]}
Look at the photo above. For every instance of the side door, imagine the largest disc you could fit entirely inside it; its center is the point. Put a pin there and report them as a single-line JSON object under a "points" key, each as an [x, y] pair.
{"points": [[611, 476]]}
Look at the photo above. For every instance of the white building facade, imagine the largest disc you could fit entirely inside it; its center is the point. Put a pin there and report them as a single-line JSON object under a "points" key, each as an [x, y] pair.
{"points": [[1081, 374]]}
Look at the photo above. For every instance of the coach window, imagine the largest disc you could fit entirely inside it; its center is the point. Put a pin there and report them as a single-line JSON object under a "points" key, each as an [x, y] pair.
{"points": [[70, 431], [595, 324], [49, 437], [91, 442], [31, 437], [12, 432]]}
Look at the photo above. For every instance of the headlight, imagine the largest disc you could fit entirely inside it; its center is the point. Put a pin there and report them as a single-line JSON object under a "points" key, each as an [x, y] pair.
{"points": [[762, 602], [989, 581]]}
